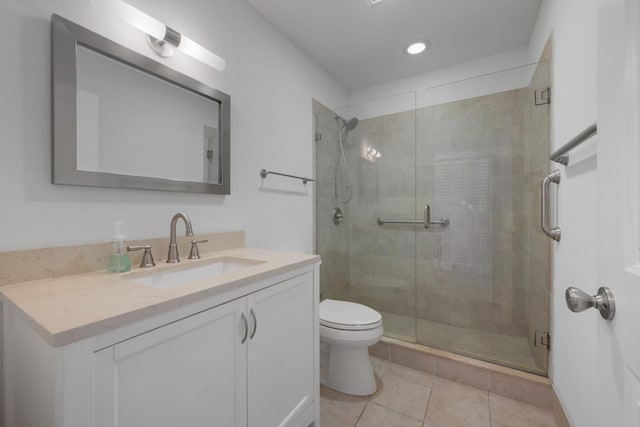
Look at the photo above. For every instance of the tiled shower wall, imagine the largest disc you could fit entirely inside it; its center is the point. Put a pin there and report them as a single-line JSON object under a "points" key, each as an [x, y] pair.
{"points": [[382, 258]]}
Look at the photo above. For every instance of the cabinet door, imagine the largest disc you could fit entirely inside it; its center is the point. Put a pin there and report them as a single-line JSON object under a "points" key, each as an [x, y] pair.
{"points": [[188, 373], [280, 354]]}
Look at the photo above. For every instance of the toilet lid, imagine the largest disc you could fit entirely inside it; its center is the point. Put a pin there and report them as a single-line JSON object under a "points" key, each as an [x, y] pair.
{"points": [[348, 315]]}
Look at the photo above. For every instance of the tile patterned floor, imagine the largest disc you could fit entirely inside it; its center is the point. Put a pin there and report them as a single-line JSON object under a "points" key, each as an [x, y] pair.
{"points": [[410, 398]]}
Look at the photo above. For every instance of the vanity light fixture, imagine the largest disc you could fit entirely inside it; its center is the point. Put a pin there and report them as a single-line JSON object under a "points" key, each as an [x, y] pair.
{"points": [[417, 47], [163, 39], [165, 47]]}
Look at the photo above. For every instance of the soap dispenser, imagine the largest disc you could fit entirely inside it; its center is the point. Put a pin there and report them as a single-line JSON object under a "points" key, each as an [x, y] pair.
{"points": [[119, 259]]}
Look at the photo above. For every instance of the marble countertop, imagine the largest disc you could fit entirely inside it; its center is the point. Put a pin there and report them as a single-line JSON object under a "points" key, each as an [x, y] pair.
{"points": [[66, 309]]}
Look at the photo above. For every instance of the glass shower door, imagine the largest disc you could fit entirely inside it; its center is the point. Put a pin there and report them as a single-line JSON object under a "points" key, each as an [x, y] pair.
{"points": [[483, 281], [366, 168]]}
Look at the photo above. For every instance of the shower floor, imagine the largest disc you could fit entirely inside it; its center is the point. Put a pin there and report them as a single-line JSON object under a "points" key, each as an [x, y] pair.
{"points": [[497, 348]]}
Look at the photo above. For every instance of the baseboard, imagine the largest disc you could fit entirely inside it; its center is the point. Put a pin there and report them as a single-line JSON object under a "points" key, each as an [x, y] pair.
{"points": [[558, 411]]}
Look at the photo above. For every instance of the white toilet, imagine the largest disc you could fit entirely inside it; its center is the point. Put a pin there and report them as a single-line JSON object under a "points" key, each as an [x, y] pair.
{"points": [[348, 329]]}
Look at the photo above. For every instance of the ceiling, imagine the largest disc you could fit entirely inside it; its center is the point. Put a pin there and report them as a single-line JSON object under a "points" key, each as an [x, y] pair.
{"points": [[362, 45]]}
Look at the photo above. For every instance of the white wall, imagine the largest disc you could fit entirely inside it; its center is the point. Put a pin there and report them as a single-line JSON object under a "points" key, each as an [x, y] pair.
{"points": [[271, 84], [466, 80], [574, 107], [475, 85]]}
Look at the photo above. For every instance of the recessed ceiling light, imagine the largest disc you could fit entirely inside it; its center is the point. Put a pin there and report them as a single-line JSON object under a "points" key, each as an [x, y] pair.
{"points": [[417, 47]]}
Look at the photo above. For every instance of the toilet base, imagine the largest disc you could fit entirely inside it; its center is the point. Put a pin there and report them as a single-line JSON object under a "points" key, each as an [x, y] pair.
{"points": [[350, 371]]}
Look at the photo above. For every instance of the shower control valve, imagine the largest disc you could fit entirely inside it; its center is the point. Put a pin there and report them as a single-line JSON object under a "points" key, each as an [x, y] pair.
{"points": [[338, 217]]}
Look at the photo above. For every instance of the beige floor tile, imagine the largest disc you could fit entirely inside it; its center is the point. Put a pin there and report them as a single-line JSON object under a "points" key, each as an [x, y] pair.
{"points": [[507, 412], [456, 405], [405, 394], [413, 375], [376, 361], [377, 416], [457, 414], [380, 366], [339, 410], [456, 391], [402, 396]]}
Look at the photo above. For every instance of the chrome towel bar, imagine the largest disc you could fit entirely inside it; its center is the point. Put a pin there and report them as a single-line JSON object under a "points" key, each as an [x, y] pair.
{"points": [[444, 221], [561, 155], [264, 173], [554, 232]]}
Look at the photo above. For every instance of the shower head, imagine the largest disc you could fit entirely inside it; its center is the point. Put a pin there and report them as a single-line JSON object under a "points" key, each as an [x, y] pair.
{"points": [[348, 125], [351, 124]]}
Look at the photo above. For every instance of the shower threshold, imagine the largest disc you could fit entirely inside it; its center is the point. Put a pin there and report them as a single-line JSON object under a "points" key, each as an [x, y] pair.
{"points": [[506, 350]]}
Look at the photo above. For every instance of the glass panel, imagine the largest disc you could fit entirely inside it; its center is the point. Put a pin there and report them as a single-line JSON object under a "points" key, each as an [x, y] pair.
{"points": [[367, 169], [332, 241], [483, 281]]}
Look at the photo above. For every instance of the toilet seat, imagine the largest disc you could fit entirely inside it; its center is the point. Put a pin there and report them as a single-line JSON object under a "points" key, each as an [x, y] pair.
{"points": [[348, 316]]}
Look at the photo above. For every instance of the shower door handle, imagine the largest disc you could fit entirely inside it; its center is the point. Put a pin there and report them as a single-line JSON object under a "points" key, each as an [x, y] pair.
{"points": [[554, 232]]}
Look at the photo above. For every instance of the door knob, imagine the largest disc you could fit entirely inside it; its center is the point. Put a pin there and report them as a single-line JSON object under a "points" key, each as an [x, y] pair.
{"points": [[578, 301]]}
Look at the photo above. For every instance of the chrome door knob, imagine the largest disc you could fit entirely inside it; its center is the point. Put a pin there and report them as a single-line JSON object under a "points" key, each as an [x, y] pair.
{"points": [[603, 301]]}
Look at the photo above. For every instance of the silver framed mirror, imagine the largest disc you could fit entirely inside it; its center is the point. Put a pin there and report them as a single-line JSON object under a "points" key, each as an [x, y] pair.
{"points": [[123, 120]]}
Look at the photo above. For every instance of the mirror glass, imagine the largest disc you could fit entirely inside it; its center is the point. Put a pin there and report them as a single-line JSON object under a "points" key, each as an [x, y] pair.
{"points": [[123, 120], [131, 123]]}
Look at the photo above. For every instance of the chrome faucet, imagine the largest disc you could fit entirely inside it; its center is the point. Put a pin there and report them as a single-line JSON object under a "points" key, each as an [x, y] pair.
{"points": [[173, 246]]}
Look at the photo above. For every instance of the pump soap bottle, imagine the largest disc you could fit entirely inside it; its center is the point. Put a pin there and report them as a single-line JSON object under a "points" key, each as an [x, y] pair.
{"points": [[119, 259]]}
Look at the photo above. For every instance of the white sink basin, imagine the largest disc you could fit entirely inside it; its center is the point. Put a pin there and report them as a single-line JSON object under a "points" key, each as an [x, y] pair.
{"points": [[171, 278]]}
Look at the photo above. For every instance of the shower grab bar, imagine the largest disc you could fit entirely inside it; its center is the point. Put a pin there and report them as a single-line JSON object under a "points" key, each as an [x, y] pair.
{"points": [[264, 173], [561, 155], [444, 221], [554, 232]]}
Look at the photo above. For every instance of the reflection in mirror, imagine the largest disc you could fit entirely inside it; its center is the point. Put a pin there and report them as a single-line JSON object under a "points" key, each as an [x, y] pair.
{"points": [[123, 128], [123, 120]]}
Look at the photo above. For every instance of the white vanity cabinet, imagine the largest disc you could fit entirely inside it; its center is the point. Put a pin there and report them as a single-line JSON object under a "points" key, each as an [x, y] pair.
{"points": [[191, 372], [248, 361], [280, 378]]}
